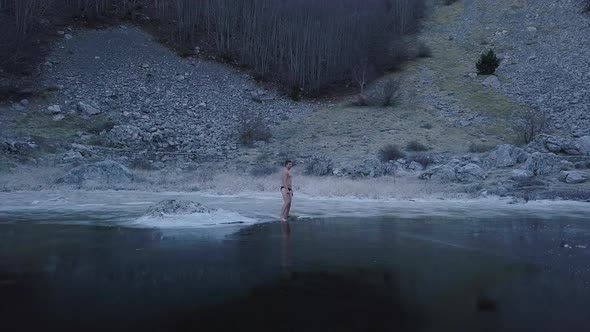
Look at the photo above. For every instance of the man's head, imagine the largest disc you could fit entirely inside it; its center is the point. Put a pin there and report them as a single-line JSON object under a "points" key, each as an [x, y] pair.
{"points": [[288, 164]]}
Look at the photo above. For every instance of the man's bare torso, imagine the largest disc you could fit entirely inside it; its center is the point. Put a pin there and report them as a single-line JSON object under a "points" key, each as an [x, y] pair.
{"points": [[287, 178]]}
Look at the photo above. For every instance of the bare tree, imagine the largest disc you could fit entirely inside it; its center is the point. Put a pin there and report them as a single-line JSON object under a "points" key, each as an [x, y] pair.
{"points": [[307, 44]]}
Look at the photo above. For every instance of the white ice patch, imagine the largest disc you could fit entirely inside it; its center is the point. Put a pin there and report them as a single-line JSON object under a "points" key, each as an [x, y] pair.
{"points": [[218, 218]]}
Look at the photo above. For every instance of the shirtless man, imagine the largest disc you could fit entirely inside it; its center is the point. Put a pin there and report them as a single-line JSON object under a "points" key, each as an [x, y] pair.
{"points": [[286, 190]]}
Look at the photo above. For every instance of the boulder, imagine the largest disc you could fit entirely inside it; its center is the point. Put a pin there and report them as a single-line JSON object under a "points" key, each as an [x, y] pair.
{"points": [[583, 144], [71, 156], [101, 173], [54, 109], [470, 173], [17, 148], [521, 175], [505, 155], [373, 168], [88, 109], [555, 144], [443, 173], [491, 82], [546, 163], [573, 177], [414, 166], [175, 207]]}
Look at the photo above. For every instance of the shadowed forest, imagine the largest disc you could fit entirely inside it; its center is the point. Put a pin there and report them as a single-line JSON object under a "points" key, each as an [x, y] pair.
{"points": [[305, 45]]}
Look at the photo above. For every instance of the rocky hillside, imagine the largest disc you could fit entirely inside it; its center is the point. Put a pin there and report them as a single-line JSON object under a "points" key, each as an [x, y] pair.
{"points": [[115, 98], [159, 106], [545, 47]]}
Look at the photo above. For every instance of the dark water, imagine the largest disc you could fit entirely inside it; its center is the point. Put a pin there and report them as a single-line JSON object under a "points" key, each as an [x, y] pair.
{"points": [[318, 275]]}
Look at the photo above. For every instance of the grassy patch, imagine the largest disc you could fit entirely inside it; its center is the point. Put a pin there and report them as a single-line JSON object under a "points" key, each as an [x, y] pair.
{"points": [[41, 124], [480, 148]]}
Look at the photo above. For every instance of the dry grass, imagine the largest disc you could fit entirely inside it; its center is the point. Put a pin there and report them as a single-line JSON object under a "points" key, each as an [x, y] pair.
{"points": [[30, 178], [44, 178]]}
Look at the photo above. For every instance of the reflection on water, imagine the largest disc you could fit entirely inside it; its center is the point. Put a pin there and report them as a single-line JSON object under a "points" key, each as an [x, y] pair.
{"points": [[286, 233], [376, 274]]}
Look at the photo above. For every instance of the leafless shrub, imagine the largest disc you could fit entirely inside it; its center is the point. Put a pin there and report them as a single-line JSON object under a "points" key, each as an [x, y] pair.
{"points": [[449, 2], [528, 123], [586, 6], [391, 152], [416, 146], [391, 92], [253, 128], [360, 100]]}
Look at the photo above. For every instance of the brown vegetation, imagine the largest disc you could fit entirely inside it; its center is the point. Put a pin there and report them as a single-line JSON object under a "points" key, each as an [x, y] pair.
{"points": [[528, 123], [390, 152]]}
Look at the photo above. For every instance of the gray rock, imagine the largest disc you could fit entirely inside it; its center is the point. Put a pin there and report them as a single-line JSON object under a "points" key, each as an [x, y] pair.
{"points": [[176, 207], [555, 144], [443, 173], [521, 175], [101, 173], [414, 166], [491, 82], [58, 117], [88, 109], [583, 144], [373, 168], [573, 177], [84, 150], [546, 163], [319, 166], [470, 173], [54, 109], [17, 148], [72, 156], [505, 155]]}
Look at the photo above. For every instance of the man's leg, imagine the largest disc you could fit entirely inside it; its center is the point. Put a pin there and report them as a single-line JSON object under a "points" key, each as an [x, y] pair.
{"points": [[288, 207], [286, 202]]}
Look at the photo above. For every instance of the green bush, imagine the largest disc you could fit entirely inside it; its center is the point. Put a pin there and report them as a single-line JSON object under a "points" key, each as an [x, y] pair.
{"points": [[487, 64], [390, 152], [295, 93], [424, 51]]}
